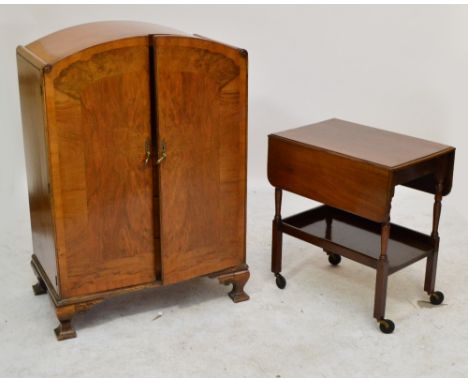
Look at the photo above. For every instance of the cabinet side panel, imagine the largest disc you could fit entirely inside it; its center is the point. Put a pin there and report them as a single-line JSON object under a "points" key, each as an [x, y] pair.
{"points": [[201, 112], [35, 147], [340, 182]]}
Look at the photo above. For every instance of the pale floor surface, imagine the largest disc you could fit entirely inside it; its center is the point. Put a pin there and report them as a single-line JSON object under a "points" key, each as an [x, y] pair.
{"points": [[320, 325]]}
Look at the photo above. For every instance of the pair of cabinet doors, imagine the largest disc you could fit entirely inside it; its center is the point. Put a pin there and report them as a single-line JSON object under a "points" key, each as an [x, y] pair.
{"points": [[146, 162]]}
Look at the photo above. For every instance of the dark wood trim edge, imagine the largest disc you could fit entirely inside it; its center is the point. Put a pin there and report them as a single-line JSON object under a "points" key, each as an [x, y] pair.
{"points": [[40, 273]]}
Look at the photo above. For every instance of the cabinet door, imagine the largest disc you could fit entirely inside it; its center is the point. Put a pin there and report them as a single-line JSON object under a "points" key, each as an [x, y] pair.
{"points": [[98, 104], [201, 90]]}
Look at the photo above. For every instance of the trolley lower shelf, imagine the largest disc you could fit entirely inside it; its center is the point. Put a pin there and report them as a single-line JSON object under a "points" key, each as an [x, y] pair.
{"points": [[357, 238]]}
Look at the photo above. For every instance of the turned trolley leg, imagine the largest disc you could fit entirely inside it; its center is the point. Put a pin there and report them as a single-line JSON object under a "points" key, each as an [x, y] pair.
{"points": [[386, 325], [277, 242], [436, 297]]}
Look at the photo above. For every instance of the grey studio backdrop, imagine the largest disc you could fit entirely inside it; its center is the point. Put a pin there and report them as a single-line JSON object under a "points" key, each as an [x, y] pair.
{"points": [[400, 68]]}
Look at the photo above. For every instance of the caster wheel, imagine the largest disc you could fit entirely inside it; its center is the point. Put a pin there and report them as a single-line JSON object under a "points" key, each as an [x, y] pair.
{"points": [[280, 281], [437, 298], [334, 259], [386, 326]]}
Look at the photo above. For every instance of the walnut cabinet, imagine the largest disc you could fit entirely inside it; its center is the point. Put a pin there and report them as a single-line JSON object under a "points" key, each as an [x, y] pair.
{"points": [[135, 140]]}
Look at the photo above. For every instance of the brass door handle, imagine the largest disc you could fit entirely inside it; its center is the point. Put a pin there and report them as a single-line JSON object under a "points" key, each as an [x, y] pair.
{"points": [[163, 154], [148, 152]]}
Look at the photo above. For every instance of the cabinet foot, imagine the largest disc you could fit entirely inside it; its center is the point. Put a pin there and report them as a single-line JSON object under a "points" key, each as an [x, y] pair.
{"points": [[40, 287], [65, 315], [238, 281], [65, 330]]}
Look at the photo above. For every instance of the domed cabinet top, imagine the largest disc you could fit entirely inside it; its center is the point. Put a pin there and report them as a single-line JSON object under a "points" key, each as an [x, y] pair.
{"points": [[59, 45]]}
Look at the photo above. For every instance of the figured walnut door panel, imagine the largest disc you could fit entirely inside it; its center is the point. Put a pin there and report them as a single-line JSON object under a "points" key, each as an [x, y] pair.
{"points": [[102, 190], [201, 119]]}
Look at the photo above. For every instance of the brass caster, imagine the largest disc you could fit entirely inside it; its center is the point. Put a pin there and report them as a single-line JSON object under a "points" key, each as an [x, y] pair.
{"points": [[386, 326], [280, 281], [334, 259], [436, 298]]}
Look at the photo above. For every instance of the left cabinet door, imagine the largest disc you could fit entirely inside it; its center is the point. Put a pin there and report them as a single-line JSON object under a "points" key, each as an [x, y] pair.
{"points": [[99, 127]]}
